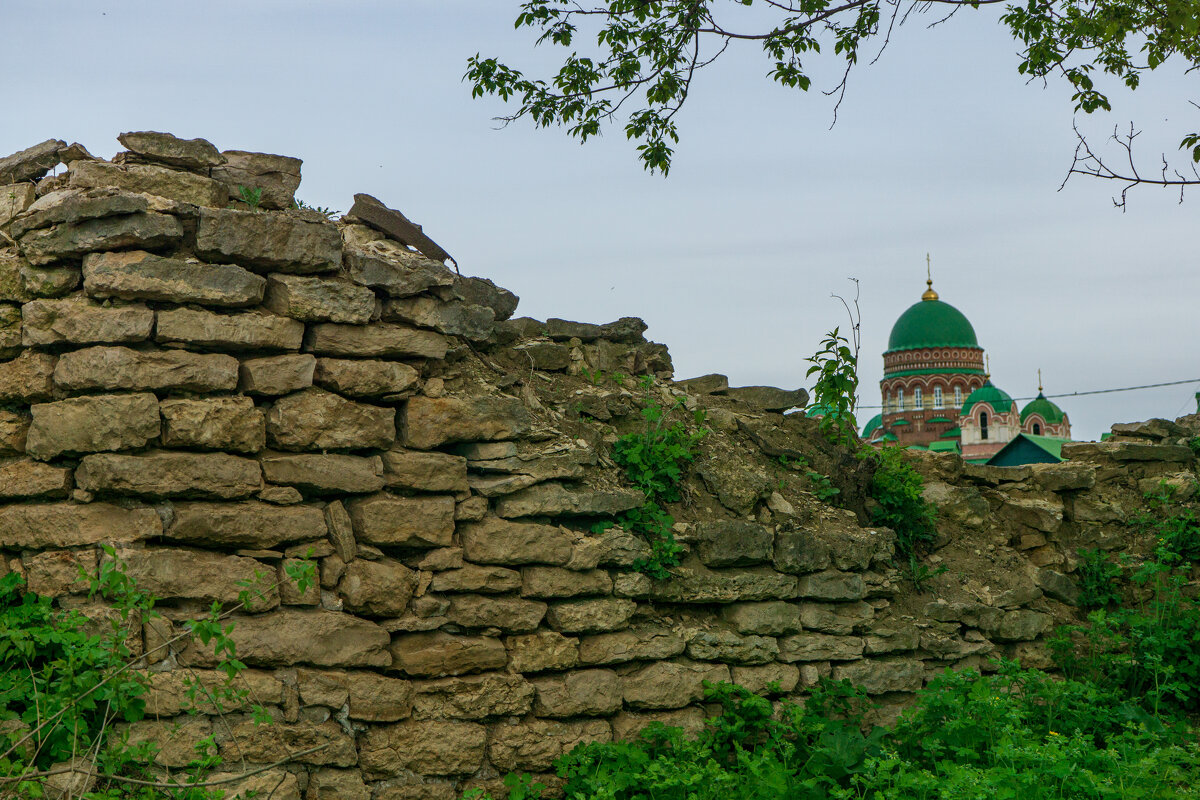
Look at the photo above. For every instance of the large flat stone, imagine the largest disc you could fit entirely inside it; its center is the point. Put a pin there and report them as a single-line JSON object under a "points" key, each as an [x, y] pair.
{"points": [[640, 643], [32, 162], [359, 378], [437, 654], [694, 583], [670, 685], [473, 697], [733, 543], [185, 187], [15, 198], [14, 428], [377, 588], [396, 226], [69, 241], [39, 526], [425, 472], [324, 472], [591, 616], [167, 148], [495, 541], [77, 205], [93, 424], [453, 318], [380, 340], [248, 524], [110, 368], [27, 378], [508, 614], [165, 473], [23, 479], [77, 320], [585, 693], [391, 267], [555, 499], [291, 636], [385, 519], [174, 573], [428, 422], [274, 241], [276, 375], [247, 330], [277, 176], [138, 275], [422, 747], [535, 744], [315, 299], [315, 419], [214, 423]]}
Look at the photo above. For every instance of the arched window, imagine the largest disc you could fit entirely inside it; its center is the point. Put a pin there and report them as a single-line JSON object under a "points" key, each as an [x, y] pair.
{"points": [[1037, 429], [937, 397], [887, 406], [899, 399], [958, 396], [917, 398], [983, 421]]}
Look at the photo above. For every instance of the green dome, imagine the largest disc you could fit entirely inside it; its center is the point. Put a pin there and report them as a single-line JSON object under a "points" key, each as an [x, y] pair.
{"points": [[998, 399], [1040, 405], [931, 323], [872, 426]]}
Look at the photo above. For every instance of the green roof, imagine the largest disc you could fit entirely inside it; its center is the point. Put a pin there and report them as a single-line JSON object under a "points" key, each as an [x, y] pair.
{"points": [[944, 447], [872, 425], [931, 323], [889, 437], [1040, 405], [953, 433], [901, 422], [916, 447], [1025, 448], [937, 419], [998, 399]]}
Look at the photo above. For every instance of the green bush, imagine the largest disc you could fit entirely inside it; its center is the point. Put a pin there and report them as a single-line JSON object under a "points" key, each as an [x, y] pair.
{"points": [[897, 490], [1098, 579]]}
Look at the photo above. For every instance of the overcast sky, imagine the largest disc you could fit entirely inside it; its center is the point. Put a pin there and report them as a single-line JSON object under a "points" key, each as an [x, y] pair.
{"points": [[941, 147]]}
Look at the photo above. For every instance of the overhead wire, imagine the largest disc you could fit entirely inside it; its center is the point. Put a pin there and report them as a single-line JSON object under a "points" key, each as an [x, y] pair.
{"points": [[1094, 391]]}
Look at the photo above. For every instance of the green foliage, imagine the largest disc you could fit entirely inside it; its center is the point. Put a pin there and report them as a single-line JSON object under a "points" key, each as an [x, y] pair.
{"points": [[1098, 580], [823, 488], [251, 198], [1016, 734], [900, 505], [632, 63], [921, 574], [655, 460], [324, 211], [836, 368]]}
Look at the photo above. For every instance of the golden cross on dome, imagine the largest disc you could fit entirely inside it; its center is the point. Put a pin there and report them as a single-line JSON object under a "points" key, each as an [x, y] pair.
{"points": [[1039, 380], [987, 368], [929, 294]]}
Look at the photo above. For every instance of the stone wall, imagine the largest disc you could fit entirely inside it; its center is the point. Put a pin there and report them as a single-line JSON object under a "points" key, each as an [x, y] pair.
{"points": [[217, 391]]}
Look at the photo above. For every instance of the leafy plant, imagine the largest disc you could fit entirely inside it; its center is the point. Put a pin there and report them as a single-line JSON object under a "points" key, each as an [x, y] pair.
{"points": [[897, 491], [1098, 580], [823, 488], [836, 388], [920, 574], [251, 198], [655, 459], [325, 211]]}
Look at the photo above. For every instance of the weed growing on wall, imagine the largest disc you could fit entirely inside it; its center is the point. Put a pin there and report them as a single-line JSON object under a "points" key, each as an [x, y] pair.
{"points": [[836, 387], [897, 489], [1098, 579], [66, 680], [655, 460]]}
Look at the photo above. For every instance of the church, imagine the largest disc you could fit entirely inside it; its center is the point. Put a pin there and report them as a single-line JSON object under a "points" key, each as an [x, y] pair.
{"points": [[937, 395]]}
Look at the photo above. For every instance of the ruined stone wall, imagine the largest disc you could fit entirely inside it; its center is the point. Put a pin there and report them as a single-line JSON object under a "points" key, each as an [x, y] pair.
{"points": [[217, 391]]}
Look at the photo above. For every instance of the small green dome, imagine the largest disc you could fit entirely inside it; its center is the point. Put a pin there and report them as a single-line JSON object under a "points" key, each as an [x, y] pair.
{"points": [[931, 323], [1040, 405], [998, 399], [872, 425]]}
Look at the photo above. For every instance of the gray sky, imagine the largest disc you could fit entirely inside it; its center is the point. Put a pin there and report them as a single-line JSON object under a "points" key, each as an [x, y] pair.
{"points": [[941, 147]]}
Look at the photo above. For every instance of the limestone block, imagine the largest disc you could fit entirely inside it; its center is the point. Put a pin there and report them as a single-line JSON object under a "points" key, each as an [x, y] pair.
{"points": [[733, 543], [276, 375], [538, 652], [167, 693], [246, 524], [453, 318], [185, 187], [278, 784], [641, 643], [290, 636], [277, 176], [324, 473], [10, 331], [1020, 626], [819, 647], [52, 573], [243, 330], [379, 340], [383, 264], [216, 423], [319, 420], [758, 679], [67, 205], [509, 614], [730, 648], [423, 747], [472, 697], [772, 618], [666, 684], [176, 738], [14, 428], [70, 525], [334, 784], [183, 574], [138, 275], [879, 676], [832, 585], [695, 583], [77, 320], [387, 520], [476, 578], [163, 473], [168, 149], [590, 616], [114, 368], [68, 241], [544, 356], [836, 542], [483, 292], [267, 744], [435, 654], [27, 378], [837, 618], [358, 378], [884, 640], [960, 504], [377, 588], [554, 499], [425, 472], [92, 424], [536, 744], [30, 163], [583, 693], [279, 242], [315, 299], [548, 582], [15, 198], [429, 422], [628, 725], [25, 479]]}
